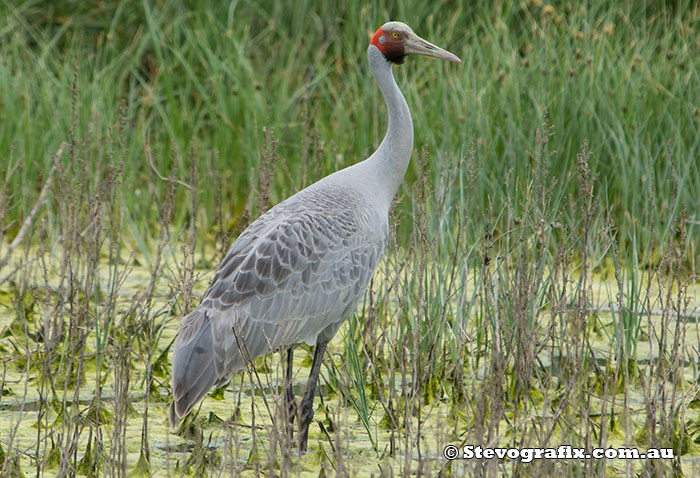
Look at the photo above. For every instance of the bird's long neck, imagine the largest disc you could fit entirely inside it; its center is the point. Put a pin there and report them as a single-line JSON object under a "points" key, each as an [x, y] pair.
{"points": [[390, 161]]}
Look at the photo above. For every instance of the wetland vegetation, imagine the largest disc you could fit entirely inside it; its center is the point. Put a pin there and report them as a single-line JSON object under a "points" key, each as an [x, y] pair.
{"points": [[541, 283]]}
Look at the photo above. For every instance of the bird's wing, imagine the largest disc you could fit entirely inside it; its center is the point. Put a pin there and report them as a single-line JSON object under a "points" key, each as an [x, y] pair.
{"points": [[293, 273]]}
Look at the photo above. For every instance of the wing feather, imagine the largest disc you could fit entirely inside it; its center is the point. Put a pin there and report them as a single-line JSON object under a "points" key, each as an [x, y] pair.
{"points": [[294, 273], [297, 270]]}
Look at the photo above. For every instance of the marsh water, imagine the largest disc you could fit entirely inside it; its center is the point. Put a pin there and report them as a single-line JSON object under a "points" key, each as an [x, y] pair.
{"points": [[239, 429]]}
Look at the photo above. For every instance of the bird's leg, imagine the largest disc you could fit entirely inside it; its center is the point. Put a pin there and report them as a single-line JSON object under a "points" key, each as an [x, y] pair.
{"points": [[307, 404], [289, 402]]}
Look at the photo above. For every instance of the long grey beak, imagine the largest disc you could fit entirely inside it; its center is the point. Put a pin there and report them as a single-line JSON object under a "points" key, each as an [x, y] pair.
{"points": [[416, 45]]}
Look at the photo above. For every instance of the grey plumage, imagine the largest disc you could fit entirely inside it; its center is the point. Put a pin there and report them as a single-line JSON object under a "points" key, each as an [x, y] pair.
{"points": [[294, 273], [300, 269]]}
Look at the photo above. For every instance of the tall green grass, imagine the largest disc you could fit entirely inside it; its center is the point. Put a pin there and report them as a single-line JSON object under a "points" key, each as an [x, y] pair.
{"points": [[621, 76], [539, 287]]}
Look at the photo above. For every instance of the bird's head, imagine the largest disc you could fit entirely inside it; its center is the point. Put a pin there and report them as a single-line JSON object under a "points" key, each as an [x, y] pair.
{"points": [[396, 40]]}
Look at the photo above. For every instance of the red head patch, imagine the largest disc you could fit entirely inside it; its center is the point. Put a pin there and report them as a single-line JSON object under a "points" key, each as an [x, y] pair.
{"points": [[391, 44]]}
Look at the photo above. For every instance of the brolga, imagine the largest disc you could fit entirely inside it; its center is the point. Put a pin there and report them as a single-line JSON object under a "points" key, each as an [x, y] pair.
{"points": [[300, 269]]}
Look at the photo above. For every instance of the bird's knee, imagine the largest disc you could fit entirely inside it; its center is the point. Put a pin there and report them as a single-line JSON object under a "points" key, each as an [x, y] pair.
{"points": [[307, 412]]}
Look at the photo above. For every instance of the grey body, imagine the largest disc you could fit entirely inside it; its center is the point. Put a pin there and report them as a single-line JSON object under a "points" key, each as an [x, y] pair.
{"points": [[300, 269], [292, 277]]}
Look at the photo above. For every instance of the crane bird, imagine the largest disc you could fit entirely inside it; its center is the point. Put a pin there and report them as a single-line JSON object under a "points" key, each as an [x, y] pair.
{"points": [[299, 270]]}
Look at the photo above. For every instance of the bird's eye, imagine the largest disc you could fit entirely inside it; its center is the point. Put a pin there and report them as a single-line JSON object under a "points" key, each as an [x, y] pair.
{"points": [[395, 34]]}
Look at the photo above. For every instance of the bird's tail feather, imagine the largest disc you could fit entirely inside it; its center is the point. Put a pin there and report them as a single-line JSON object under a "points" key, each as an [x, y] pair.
{"points": [[194, 371]]}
